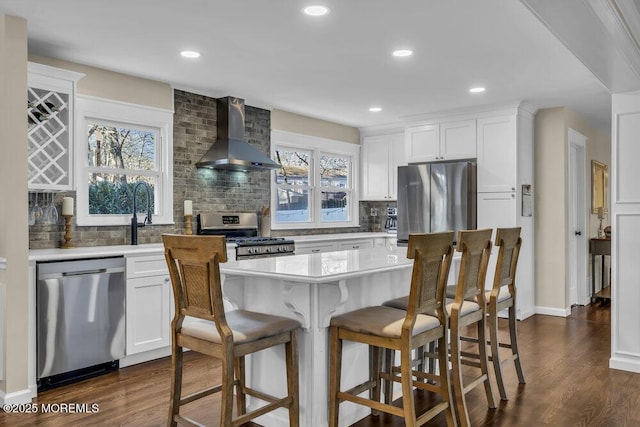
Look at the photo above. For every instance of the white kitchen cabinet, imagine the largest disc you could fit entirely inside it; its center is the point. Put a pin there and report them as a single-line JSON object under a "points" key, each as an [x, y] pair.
{"points": [[380, 157], [355, 244], [422, 143], [458, 140], [444, 141], [497, 154], [50, 100], [497, 210], [315, 247], [149, 304]]}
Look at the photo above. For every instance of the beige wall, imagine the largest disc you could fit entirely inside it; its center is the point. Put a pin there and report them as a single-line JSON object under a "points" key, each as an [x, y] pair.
{"points": [[14, 238], [551, 177], [290, 122], [117, 86]]}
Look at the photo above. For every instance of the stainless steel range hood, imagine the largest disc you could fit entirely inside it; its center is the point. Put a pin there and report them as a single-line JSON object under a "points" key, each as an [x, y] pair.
{"points": [[231, 151]]}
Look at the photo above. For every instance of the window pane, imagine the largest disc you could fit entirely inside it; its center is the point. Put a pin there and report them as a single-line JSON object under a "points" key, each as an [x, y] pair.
{"points": [[295, 167], [334, 206], [292, 205], [121, 147], [111, 194], [334, 171]]}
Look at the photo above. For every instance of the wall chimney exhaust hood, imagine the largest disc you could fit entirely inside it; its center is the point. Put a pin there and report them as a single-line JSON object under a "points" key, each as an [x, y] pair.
{"points": [[231, 151]]}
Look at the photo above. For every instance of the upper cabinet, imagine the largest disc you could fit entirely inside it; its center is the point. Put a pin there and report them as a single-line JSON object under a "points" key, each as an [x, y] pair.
{"points": [[497, 154], [443, 141], [50, 99], [381, 156]]}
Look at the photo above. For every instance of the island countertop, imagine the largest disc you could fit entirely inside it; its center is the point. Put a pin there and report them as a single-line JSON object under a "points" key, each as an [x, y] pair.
{"points": [[322, 267]]}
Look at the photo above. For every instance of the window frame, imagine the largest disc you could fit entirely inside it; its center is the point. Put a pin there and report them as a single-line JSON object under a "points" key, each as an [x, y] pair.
{"points": [[317, 146], [99, 110]]}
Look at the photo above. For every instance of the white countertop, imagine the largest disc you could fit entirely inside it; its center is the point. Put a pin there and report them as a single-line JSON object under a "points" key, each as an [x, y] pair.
{"points": [[322, 267], [94, 252], [340, 236], [58, 254]]}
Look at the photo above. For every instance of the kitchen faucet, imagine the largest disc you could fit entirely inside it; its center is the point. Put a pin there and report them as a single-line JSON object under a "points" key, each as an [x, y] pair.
{"points": [[134, 219]]}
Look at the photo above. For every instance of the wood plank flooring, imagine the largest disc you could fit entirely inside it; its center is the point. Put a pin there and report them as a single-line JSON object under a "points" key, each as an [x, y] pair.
{"points": [[565, 363]]}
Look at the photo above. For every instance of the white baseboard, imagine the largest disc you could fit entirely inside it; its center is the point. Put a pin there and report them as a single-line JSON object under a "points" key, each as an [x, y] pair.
{"points": [[17, 397], [522, 314], [552, 311], [625, 364]]}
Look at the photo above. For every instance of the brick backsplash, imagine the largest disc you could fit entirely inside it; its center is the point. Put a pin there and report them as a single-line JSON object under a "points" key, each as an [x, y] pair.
{"points": [[194, 131]]}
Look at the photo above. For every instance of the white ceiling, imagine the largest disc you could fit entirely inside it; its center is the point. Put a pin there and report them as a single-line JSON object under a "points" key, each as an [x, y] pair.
{"points": [[334, 67]]}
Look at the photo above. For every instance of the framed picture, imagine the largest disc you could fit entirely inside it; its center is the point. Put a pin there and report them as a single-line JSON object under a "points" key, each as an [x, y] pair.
{"points": [[599, 177]]}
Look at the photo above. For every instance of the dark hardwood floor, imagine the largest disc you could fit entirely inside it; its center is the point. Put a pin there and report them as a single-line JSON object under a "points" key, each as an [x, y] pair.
{"points": [[565, 363]]}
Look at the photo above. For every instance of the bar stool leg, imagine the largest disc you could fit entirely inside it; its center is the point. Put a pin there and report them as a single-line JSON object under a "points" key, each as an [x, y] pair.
{"points": [[291, 356], [176, 385], [495, 354], [240, 387], [335, 371], [484, 360], [514, 343]]}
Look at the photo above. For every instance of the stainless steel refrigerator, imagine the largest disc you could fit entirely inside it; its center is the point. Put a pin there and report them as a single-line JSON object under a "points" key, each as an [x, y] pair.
{"points": [[435, 197]]}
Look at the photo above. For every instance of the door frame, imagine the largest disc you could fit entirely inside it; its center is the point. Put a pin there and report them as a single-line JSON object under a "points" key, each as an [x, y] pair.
{"points": [[579, 141]]}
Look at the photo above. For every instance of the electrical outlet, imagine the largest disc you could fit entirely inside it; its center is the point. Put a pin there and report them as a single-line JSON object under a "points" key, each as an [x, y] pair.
{"points": [[374, 212]]}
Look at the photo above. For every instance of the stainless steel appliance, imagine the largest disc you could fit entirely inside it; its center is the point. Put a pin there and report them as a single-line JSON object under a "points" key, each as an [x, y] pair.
{"points": [[436, 197], [230, 150], [80, 319], [241, 229]]}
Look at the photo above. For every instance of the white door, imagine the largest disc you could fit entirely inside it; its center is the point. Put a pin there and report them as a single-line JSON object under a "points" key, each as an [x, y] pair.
{"points": [[577, 231]]}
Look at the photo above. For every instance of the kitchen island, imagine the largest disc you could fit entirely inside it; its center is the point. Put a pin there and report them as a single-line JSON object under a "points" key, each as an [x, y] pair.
{"points": [[312, 288]]}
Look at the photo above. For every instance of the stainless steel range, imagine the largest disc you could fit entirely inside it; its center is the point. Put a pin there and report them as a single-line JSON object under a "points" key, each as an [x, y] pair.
{"points": [[241, 229]]}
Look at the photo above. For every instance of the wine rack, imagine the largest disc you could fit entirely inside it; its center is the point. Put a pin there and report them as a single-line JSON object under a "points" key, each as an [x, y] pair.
{"points": [[50, 96]]}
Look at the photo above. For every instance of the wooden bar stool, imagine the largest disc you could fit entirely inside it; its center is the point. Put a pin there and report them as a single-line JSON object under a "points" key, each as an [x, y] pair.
{"points": [[400, 330], [503, 296], [467, 307], [201, 324]]}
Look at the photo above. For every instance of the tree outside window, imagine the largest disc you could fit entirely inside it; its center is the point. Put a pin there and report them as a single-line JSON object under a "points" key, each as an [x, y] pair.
{"points": [[119, 156]]}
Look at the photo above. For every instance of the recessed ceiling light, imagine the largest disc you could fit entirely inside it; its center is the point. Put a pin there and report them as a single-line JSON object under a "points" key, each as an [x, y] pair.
{"points": [[375, 109], [477, 89], [402, 52], [316, 10], [190, 54]]}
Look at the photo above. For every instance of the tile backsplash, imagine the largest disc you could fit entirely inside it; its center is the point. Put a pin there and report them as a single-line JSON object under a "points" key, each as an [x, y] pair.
{"points": [[194, 131]]}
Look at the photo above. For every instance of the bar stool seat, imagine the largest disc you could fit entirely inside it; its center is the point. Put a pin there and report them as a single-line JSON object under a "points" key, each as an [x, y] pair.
{"points": [[382, 321], [246, 326], [401, 303]]}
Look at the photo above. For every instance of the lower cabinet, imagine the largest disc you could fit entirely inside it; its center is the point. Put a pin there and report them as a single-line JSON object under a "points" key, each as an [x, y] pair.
{"points": [[149, 306]]}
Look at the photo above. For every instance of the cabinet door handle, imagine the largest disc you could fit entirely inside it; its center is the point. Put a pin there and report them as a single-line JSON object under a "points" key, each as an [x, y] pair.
{"points": [[355, 247], [166, 279], [313, 251]]}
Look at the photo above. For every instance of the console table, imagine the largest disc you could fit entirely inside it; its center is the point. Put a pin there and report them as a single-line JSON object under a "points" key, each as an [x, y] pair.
{"points": [[602, 247]]}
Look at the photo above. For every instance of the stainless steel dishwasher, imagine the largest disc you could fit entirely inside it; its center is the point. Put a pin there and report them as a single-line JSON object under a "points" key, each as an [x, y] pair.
{"points": [[80, 319]]}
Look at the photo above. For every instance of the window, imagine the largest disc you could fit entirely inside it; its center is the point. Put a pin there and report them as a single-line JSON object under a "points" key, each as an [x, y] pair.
{"points": [[315, 186], [120, 145]]}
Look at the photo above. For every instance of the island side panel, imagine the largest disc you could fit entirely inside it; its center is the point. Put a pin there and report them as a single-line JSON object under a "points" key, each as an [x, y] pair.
{"points": [[312, 304]]}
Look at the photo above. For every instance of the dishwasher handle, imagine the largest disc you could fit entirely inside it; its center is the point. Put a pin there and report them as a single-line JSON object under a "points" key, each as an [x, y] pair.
{"points": [[84, 272]]}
